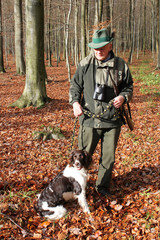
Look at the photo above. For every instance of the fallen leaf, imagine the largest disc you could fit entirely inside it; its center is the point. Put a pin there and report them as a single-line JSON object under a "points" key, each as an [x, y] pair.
{"points": [[118, 207], [44, 224]]}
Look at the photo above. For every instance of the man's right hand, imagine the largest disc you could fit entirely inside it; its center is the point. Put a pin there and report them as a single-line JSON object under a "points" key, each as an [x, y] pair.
{"points": [[77, 109]]}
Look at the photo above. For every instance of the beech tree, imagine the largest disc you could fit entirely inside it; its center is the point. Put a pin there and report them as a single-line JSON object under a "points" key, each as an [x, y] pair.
{"points": [[83, 29], [132, 29], [76, 32], [35, 89], [20, 63], [1, 42], [49, 35], [98, 11], [66, 42], [158, 35]]}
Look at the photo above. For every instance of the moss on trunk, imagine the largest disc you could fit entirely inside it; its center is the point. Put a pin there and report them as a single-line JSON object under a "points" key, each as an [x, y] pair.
{"points": [[26, 101]]}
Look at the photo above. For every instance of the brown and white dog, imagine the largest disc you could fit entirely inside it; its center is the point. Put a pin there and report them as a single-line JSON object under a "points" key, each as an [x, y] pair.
{"points": [[68, 184]]}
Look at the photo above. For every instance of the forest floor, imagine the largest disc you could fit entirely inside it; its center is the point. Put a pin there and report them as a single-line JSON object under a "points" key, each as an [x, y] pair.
{"points": [[27, 165]]}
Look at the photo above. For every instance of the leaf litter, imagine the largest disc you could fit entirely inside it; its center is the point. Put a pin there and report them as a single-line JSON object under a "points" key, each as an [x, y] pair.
{"points": [[27, 166]]}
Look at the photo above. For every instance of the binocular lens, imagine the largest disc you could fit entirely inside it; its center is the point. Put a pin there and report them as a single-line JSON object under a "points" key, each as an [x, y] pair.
{"points": [[99, 92]]}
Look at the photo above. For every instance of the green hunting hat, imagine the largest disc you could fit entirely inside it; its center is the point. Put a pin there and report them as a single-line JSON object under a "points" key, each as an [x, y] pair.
{"points": [[100, 38]]}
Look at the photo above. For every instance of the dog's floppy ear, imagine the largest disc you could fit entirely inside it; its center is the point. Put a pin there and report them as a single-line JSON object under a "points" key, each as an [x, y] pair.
{"points": [[88, 159], [71, 156]]}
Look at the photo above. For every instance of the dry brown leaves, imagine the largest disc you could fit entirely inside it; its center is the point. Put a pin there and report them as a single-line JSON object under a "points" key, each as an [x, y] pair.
{"points": [[27, 165]]}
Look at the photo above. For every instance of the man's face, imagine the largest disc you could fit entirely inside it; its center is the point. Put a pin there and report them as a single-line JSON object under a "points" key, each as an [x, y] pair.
{"points": [[102, 53]]}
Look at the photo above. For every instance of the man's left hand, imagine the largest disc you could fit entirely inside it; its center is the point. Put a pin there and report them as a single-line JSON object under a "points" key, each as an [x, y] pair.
{"points": [[118, 101]]}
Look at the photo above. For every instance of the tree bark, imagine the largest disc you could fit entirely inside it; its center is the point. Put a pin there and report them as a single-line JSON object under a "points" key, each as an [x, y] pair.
{"points": [[153, 29], [96, 14], [67, 32], [35, 89], [2, 70], [76, 32], [20, 63], [49, 36], [144, 31], [132, 30], [83, 30], [111, 3], [100, 11], [107, 16], [158, 31]]}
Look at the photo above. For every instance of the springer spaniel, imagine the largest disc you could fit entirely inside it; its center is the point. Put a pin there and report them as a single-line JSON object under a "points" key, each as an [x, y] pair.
{"points": [[68, 184]]}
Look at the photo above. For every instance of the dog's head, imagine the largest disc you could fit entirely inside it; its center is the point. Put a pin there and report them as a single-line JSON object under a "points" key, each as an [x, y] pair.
{"points": [[80, 159]]}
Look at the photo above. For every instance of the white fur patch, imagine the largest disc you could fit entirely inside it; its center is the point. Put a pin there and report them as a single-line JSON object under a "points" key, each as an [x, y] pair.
{"points": [[38, 196], [79, 175], [50, 189], [59, 211], [83, 202]]}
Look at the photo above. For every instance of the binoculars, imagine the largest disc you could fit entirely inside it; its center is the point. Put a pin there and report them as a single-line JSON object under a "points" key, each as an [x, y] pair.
{"points": [[99, 92]]}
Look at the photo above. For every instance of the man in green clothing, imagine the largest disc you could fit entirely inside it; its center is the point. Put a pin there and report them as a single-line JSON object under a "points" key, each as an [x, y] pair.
{"points": [[92, 94]]}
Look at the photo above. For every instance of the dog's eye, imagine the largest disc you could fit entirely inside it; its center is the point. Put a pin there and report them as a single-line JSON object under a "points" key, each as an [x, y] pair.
{"points": [[81, 156]]}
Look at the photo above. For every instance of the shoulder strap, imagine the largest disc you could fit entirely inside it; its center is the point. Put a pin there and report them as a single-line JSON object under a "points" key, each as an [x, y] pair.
{"points": [[129, 110], [115, 69], [117, 92]]}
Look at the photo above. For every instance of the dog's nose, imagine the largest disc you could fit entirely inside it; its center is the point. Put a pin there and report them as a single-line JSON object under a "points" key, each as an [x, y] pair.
{"points": [[77, 164]]}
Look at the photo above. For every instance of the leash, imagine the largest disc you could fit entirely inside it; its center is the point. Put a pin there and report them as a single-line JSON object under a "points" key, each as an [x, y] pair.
{"points": [[93, 115], [73, 134], [99, 116]]}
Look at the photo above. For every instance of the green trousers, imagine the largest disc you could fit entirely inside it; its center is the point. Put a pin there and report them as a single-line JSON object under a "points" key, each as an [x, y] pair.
{"points": [[88, 140]]}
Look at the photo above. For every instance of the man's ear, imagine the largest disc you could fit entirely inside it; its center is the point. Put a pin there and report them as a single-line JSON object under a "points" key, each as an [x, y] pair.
{"points": [[110, 46], [113, 34]]}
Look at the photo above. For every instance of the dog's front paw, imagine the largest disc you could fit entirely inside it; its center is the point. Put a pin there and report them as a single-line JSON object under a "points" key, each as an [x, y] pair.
{"points": [[86, 210]]}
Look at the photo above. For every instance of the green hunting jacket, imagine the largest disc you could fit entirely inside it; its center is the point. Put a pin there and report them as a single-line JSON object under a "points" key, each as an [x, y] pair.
{"points": [[91, 71]]}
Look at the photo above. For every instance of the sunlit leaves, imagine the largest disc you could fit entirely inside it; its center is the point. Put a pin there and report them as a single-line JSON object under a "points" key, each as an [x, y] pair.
{"points": [[28, 165]]}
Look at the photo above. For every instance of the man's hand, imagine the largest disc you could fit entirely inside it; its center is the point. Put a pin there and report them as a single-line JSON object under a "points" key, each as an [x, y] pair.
{"points": [[118, 101], [77, 109]]}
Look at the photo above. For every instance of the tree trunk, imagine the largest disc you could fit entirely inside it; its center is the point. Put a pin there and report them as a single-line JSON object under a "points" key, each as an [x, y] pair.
{"points": [[83, 30], [153, 29], [144, 31], [67, 32], [138, 37], [20, 63], [49, 35], [64, 32], [100, 11], [132, 29], [87, 25], [35, 89], [96, 14], [59, 34], [108, 16], [2, 70], [76, 32], [158, 30], [111, 3]]}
